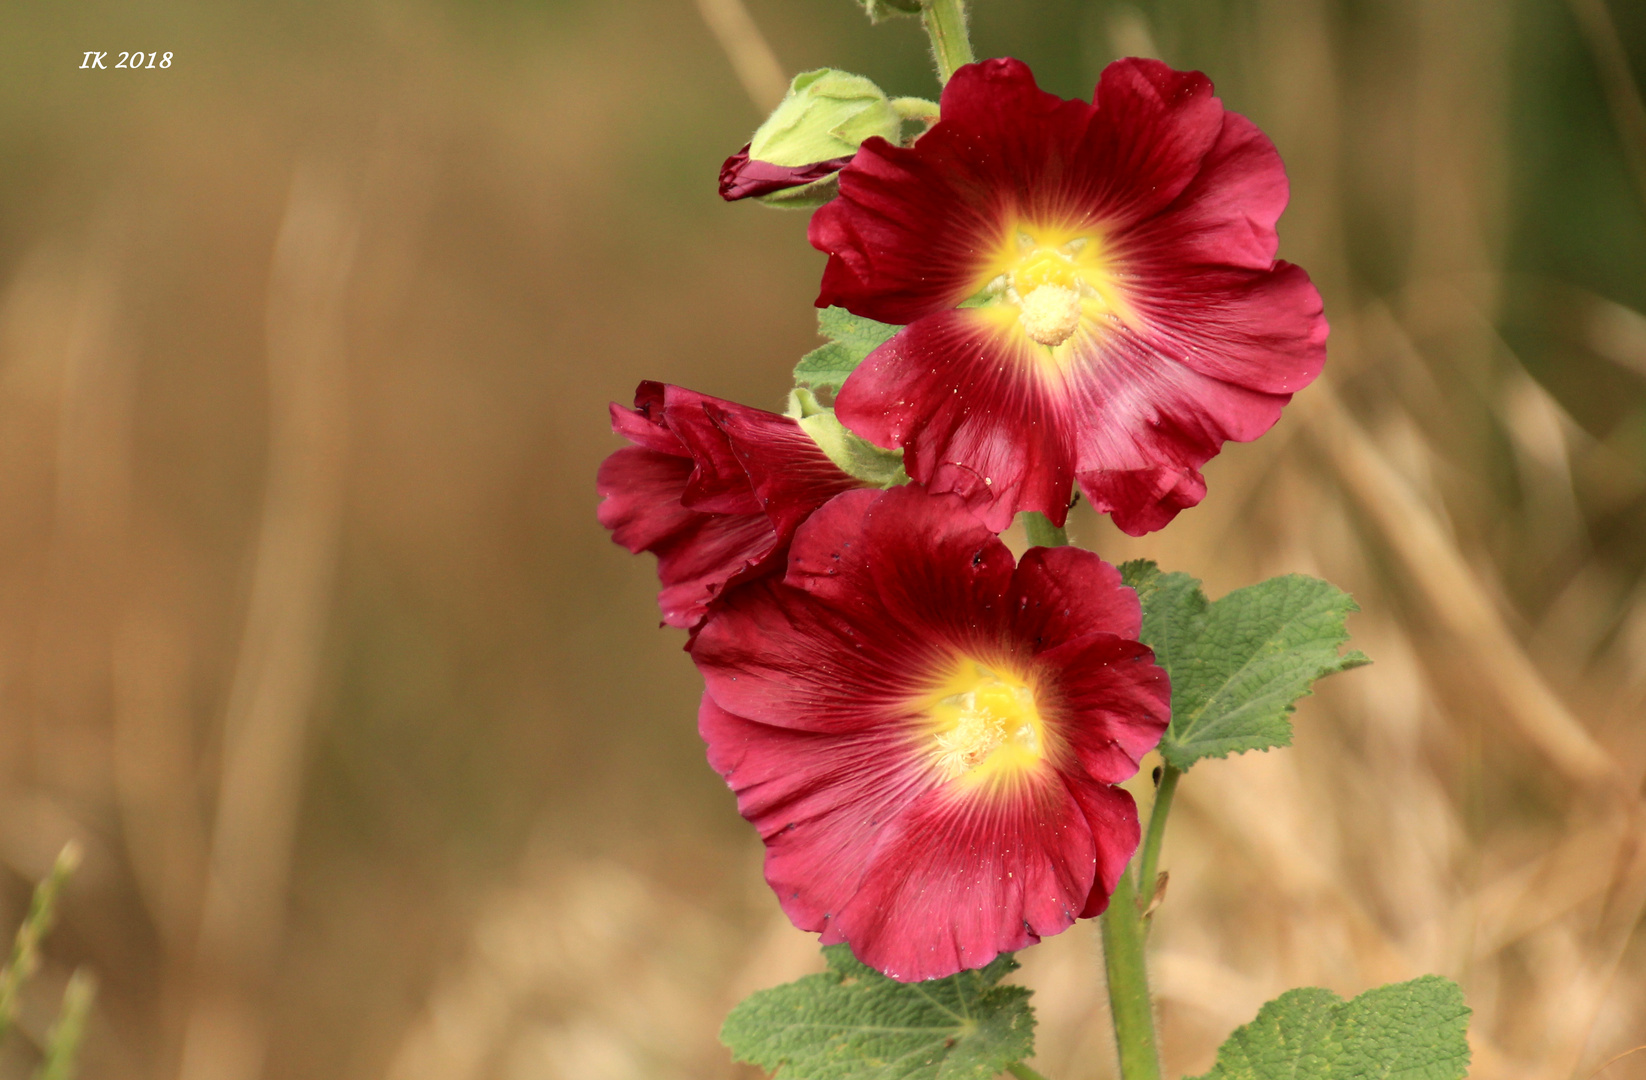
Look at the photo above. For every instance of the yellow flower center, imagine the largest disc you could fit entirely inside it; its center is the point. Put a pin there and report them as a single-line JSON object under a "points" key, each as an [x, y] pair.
{"points": [[1046, 281], [983, 724]]}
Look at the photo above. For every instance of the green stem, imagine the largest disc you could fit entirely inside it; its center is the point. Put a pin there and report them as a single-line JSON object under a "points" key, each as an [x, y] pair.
{"points": [[945, 22], [1123, 945], [1042, 533], [1149, 864], [1023, 1072]]}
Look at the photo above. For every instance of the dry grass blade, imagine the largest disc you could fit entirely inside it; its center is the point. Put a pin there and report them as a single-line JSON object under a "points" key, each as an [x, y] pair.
{"points": [[1614, 1059], [1453, 593], [747, 49], [275, 675]]}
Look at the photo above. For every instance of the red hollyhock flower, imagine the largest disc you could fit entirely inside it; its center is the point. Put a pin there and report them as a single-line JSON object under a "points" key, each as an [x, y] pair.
{"points": [[1132, 318], [927, 736], [713, 489]]}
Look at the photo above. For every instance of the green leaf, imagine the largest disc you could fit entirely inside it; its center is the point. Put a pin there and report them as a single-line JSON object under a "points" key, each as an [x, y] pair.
{"points": [[1239, 666], [851, 338], [1414, 1030], [853, 1022]]}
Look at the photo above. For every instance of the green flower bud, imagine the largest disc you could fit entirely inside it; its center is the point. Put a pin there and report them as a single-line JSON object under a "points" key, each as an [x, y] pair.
{"points": [[825, 115], [794, 156]]}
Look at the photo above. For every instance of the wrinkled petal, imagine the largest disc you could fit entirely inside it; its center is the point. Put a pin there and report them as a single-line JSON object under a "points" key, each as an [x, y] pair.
{"points": [[901, 551], [696, 553], [789, 474], [775, 655], [685, 492]]}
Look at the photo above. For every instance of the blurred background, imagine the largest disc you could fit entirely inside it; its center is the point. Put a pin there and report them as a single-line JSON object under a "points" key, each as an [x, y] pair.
{"points": [[381, 765]]}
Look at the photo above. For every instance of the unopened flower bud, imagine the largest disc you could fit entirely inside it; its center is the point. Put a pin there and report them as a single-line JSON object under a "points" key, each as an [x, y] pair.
{"points": [[792, 160]]}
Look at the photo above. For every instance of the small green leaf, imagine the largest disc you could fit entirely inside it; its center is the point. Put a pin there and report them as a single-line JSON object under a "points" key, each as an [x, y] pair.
{"points": [[853, 1023], [851, 338], [1414, 1030], [1239, 666]]}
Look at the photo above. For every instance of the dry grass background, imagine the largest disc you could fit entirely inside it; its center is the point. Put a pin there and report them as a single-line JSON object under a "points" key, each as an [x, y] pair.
{"points": [[308, 635]]}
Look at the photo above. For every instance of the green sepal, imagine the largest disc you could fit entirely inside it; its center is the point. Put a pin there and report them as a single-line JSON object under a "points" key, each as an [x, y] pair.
{"points": [[851, 338], [825, 115], [1239, 666], [853, 1023], [1414, 1030], [805, 197], [852, 454]]}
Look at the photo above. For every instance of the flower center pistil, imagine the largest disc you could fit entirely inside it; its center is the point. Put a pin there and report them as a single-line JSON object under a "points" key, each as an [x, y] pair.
{"points": [[984, 722], [1045, 285]]}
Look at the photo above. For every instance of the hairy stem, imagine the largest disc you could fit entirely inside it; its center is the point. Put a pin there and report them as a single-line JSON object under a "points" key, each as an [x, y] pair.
{"points": [[1149, 864], [1129, 1004], [945, 22], [1042, 533]]}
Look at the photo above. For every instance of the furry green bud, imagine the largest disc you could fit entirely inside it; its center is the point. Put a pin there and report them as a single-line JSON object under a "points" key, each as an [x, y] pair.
{"points": [[826, 115]]}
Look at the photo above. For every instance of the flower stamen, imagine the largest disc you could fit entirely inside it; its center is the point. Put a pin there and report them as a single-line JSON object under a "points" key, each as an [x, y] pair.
{"points": [[1050, 314], [985, 722]]}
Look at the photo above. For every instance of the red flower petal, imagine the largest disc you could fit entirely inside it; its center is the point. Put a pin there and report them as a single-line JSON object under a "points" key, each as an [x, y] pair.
{"points": [[787, 472], [976, 877], [1109, 812], [1227, 215], [837, 706], [1123, 699], [686, 492], [902, 551], [1060, 593], [1188, 334], [743, 177], [819, 801], [696, 553], [1004, 444]]}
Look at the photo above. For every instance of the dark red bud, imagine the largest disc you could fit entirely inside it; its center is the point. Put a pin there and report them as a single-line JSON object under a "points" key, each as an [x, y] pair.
{"points": [[743, 177]]}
